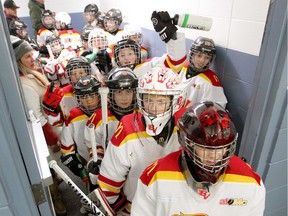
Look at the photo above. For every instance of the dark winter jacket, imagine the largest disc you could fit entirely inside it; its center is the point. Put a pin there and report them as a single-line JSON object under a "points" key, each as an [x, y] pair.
{"points": [[35, 11]]}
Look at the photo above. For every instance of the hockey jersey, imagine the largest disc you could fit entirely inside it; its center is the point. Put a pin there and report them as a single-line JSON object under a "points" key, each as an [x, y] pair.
{"points": [[163, 190], [128, 153], [72, 136], [205, 86]]}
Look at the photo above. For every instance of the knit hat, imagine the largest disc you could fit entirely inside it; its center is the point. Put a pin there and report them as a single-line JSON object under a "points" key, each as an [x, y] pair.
{"points": [[20, 47], [10, 4]]}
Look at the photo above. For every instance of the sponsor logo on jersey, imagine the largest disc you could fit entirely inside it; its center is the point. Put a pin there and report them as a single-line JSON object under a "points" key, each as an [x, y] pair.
{"points": [[233, 201]]}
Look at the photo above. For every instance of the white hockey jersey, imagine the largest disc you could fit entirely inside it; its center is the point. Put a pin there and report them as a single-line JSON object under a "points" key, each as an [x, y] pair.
{"points": [[163, 190]]}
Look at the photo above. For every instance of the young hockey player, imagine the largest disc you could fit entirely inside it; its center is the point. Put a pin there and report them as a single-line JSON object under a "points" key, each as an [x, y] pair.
{"points": [[142, 137], [75, 154], [70, 38], [112, 21], [135, 33], [122, 84], [205, 177], [203, 84], [90, 12], [48, 21], [127, 53], [56, 65], [76, 67], [99, 53]]}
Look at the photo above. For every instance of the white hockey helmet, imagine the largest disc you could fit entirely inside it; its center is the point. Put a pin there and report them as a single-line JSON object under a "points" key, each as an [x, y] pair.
{"points": [[132, 32], [159, 81], [98, 39], [63, 18]]}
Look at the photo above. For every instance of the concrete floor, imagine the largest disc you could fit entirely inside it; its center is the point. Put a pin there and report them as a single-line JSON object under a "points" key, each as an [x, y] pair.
{"points": [[70, 198]]}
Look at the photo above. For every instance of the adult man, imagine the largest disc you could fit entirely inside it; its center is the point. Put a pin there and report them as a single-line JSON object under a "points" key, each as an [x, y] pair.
{"points": [[10, 10]]}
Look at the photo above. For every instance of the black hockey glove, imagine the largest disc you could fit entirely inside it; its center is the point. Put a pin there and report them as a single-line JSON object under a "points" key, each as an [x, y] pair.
{"points": [[163, 24], [103, 61], [76, 166], [93, 170]]}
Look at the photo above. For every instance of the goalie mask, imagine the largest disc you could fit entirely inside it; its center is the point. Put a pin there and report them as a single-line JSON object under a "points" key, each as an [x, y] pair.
{"points": [[122, 83], [86, 93], [201, 55], [208, 137], [159, 96]]}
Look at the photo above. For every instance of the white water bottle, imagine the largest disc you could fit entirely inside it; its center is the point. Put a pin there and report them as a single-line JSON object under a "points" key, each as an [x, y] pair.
{"points": [[193, 22]]}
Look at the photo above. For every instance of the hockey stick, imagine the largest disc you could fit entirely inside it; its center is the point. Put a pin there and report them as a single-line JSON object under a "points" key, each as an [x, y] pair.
{"points": [[104, 100], [51, 55], [53, 164], [91, 128]]}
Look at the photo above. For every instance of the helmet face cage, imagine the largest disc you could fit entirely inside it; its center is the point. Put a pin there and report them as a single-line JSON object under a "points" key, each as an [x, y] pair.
{"points": [[208, 136], [202, 46], [159, 96], [86, 93], [122, 79], [97, 39], [130, 44], [77, 67], [47, 19], [55, 43], [19, 28]]}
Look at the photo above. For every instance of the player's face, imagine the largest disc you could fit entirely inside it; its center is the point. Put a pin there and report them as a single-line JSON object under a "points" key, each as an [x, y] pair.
{"points": [[210, 156], [201, 59], [77, 73], [98, 43], [23, 33], [85, 44], [56, 46], [126, 57], [110, 25], [11, 11], [90, 101], [28, 60], [156, 104], [48, 20], [89, 16], [123, 98], [136, 37]]}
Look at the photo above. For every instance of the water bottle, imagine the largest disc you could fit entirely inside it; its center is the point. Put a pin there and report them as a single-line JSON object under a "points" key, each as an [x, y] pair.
{"points": [[193, 22]]}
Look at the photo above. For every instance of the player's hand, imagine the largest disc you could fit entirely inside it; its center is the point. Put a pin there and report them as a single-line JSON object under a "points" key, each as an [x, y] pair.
{"points": [[93, 170], [163, 24], [51, 100]]}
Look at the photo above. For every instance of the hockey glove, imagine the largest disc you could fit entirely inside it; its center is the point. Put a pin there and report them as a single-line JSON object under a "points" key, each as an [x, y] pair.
{"points": [[93, 170], [163, 24], [103, 61], [52, 99], [75, 165]]}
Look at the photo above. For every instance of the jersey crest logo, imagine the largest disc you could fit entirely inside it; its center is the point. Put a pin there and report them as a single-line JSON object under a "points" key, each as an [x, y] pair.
{"points": [[204, 193], [152, 128]]}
